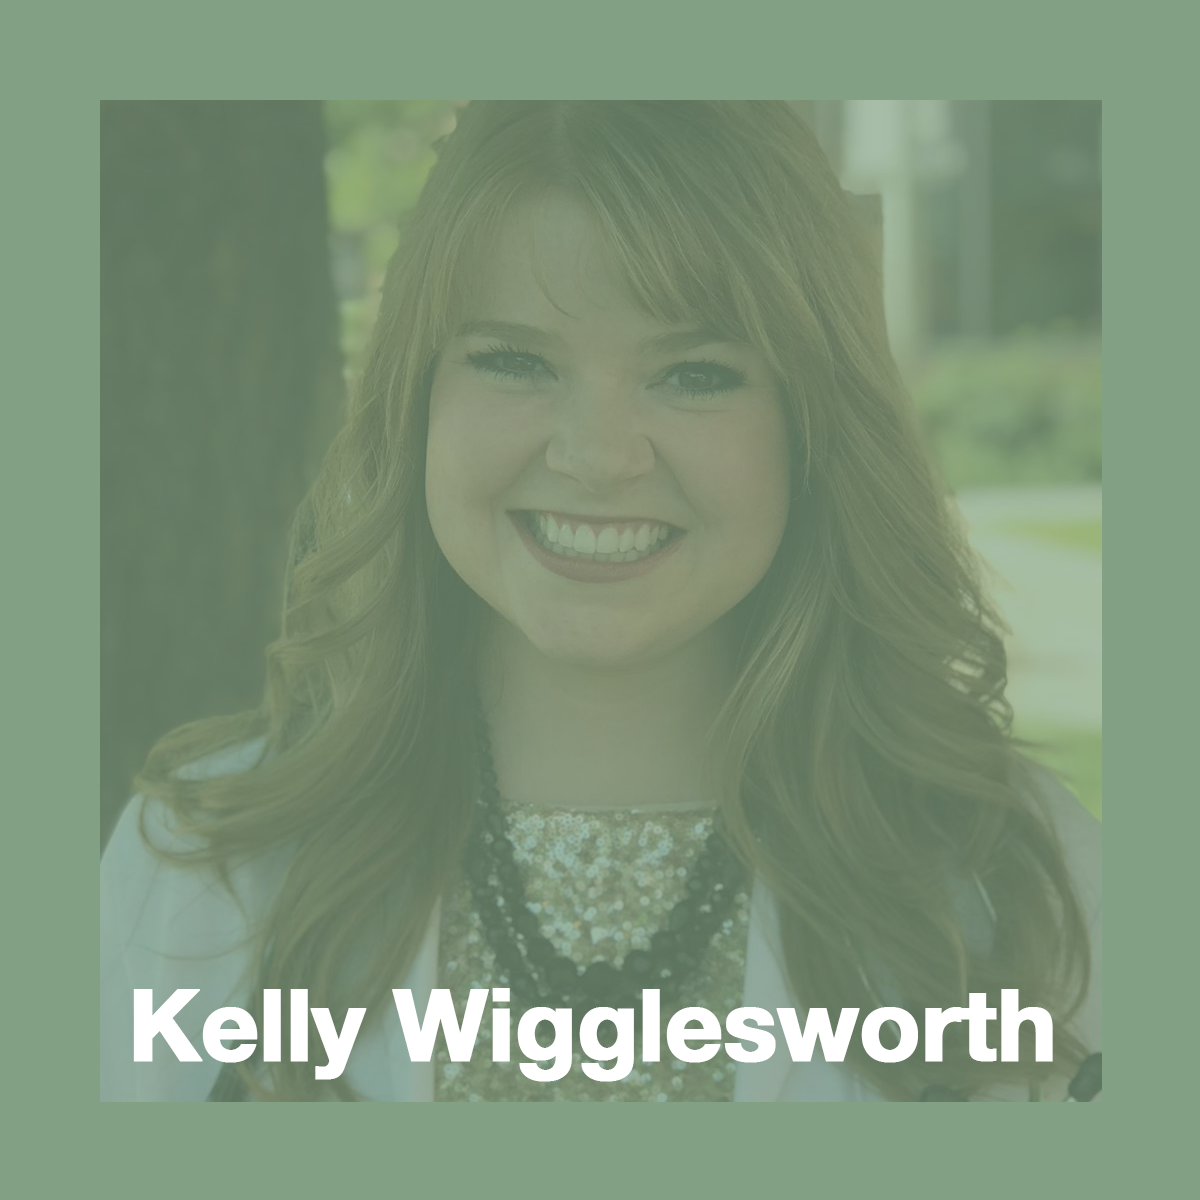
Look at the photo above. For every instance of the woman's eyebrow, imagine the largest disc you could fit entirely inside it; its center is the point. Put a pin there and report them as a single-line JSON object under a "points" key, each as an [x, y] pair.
{"points": [[673, 340], [506, 329]]}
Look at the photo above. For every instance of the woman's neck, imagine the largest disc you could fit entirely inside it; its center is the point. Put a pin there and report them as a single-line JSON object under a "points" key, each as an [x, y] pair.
{"points": [[566, 735]]}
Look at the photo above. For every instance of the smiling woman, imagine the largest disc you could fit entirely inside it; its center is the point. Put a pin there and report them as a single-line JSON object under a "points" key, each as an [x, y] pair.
{"points": [[590, 452], [629, 650]]}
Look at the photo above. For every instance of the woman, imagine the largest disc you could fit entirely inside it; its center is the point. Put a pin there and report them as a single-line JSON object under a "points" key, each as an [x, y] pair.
{"points": [[628, 643]]}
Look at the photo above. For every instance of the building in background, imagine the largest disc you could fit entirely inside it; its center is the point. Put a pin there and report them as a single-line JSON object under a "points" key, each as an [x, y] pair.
{"points": [[991, 211]]}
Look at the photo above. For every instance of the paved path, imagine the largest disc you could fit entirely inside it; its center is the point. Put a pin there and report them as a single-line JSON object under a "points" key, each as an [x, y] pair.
{"points": [[1051, 597]]}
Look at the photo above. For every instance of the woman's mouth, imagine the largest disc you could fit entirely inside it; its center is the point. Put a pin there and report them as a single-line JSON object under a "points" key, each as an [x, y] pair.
{"points": [[596, 549], [598, 540], [576, 545]]}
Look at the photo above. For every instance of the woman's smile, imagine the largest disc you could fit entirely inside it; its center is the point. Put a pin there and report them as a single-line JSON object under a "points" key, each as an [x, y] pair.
{"points": [[596, 550]]}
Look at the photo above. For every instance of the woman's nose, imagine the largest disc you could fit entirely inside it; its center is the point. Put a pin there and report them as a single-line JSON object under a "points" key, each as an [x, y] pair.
{"points": [[598, 440]]}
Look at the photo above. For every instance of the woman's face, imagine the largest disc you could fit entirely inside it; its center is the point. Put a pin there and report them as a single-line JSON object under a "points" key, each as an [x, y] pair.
{"points": [[609, 485]]}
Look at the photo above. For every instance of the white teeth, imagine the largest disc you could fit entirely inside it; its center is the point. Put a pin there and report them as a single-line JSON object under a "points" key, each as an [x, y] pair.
{"points": [[605, 546]]}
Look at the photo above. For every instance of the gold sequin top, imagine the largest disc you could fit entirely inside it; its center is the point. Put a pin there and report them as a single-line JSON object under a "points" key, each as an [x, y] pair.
{"points": [[601, 883]]}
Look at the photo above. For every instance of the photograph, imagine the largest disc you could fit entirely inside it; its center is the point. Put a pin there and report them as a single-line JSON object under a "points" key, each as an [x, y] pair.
{"points": [[600, 601]]}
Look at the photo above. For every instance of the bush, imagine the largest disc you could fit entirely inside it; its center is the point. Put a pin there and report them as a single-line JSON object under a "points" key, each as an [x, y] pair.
{"points": [[1025, 410]]}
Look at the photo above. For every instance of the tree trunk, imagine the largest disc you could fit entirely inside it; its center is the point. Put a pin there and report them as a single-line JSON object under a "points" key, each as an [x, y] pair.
{"points": [[220, 376]]}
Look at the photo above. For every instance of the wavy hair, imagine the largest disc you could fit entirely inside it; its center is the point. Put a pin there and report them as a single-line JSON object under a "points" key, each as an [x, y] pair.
{"points": [[870, 779]]}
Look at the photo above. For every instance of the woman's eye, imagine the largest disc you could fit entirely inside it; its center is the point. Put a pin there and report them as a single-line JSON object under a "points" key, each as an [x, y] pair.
{"points": [[703, 378], [506, 363]]}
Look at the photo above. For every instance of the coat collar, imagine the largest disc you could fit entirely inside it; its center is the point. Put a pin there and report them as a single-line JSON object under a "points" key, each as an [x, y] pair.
{"points": [[382, 1070]]}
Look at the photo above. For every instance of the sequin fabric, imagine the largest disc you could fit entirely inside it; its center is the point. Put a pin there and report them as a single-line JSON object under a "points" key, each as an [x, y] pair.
{"points": [[601, 884]]}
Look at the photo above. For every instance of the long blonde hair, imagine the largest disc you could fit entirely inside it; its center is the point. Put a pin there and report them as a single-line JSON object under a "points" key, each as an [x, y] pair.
{"points": [[869, 776]]}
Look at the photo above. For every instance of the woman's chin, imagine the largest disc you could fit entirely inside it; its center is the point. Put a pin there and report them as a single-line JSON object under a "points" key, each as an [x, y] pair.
{"points": [[607, 643], [591, 643], [594, 653]]}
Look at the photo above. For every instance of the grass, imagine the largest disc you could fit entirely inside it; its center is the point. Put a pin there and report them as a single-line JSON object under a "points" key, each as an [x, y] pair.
{"points": [[1079, 535], [1075, 755]]}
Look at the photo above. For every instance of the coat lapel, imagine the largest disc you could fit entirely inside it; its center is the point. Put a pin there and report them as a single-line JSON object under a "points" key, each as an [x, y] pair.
{"points": [[382, 1069]]}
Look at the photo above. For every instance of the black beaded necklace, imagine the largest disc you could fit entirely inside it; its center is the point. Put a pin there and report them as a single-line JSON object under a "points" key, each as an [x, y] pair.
{"points": [[534, 970]]}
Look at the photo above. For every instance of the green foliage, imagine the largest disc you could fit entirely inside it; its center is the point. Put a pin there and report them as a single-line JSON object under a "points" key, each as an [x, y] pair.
{"points": [[380, 152], [1075, 755], [1024, 410]]}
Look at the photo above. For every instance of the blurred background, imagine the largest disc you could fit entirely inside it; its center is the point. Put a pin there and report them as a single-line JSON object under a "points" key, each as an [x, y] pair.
{"points": [[242, 250]]}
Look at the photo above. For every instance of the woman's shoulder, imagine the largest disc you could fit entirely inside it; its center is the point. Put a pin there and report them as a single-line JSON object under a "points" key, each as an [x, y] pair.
{"points": [[1078, 831], [147, 852], [167, 924]]}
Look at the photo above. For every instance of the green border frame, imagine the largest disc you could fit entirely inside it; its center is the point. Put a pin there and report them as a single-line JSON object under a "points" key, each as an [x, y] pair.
{"points": [[61, 64]]}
